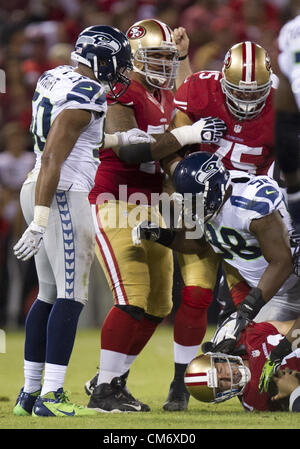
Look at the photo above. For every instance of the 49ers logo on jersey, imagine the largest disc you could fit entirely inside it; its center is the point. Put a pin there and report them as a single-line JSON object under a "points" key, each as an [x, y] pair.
{"points": [[227, 60], [136, 32]]}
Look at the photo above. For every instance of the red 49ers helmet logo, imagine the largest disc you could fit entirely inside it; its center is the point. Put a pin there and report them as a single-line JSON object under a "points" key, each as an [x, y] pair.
{"points": [[227, 60], [268, 63], [136, 32]]}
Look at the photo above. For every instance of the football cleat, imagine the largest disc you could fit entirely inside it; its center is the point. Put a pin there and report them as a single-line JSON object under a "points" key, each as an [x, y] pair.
{"points": [[25, 402], [56, 403], [115, 398], [178, 397]]}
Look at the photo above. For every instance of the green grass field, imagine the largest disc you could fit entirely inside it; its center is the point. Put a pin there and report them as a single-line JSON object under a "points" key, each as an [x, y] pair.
{"points": [[149, 381]]}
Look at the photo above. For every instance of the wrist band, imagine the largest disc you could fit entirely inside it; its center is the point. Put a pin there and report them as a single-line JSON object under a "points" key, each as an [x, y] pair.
{"points": [[181, 58], [41, 215], [110, 140]]}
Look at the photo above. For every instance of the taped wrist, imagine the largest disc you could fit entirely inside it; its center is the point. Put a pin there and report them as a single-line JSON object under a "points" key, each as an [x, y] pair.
{"points": [[287, 130], [136, 153], [281, 350], [110, 140], [166, 237], [252, 304], [188, 134], [41, 215]]}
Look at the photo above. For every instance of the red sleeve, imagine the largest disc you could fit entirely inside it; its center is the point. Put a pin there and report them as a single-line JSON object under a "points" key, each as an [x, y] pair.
{"points": [[192, 96]]}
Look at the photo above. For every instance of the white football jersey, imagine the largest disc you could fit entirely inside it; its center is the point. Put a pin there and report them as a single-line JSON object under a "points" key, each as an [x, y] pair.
{"points": [[289, 56], [63, 88], [229, 234]]}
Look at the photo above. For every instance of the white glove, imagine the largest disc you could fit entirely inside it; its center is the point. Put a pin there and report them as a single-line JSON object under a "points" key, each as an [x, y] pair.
{"points": [[30, 242], [134, 136], [226, 330], [211, 129]]}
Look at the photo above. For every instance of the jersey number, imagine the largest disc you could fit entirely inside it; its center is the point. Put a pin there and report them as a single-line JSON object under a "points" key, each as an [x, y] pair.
{"points": [[237, 244], [41, 120]]}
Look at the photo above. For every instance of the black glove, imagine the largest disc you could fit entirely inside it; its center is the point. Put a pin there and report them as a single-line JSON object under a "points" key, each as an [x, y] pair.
{"points": [[251, 305], [147, 230], [213, 130]]}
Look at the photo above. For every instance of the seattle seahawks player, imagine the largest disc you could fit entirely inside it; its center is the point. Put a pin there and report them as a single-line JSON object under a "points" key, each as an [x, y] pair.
{"points": [[246, 223], [69, 108]]}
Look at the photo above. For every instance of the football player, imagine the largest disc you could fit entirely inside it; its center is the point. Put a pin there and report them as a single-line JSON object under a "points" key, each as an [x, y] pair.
{"points": [[287, 103], [139, 278], [216, 377], [68, 116], [245, 222], [242, 96]]}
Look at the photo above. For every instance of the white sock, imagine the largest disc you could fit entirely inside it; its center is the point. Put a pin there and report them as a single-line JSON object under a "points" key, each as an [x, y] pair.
{"points": [[33, 372], [112, 364], [54, 377], [184, 354]]}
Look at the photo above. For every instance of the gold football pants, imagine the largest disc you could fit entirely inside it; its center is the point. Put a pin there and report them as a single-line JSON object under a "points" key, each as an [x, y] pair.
{"points": [[140, 276]]}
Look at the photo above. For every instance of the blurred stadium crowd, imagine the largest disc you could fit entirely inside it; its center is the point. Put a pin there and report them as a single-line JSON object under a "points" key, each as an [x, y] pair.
{"points": [[37, 35]]}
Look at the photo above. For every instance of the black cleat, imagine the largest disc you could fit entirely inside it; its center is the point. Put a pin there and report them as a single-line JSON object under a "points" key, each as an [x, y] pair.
{"points": [[115, 398], [178, 397]]}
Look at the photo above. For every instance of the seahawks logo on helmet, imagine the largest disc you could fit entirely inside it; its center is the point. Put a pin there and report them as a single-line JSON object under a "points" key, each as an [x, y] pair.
{"points": [[208, 169], [102, 39]]}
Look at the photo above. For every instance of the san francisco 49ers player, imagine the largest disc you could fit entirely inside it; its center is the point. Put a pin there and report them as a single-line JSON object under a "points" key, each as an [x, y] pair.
{"points": [[140, 278], [215, 377]]}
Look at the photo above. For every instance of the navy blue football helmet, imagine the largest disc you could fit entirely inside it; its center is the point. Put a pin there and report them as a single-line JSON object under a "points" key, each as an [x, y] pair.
{"points": [[107, 51], [204, 174]]}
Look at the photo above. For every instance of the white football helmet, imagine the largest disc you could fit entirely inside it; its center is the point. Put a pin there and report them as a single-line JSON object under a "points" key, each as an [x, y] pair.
{"points": [[147, 39], [246, 80], [204, 379]]}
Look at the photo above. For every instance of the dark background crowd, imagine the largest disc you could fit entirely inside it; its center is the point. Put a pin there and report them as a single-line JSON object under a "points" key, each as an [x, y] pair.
{"points": [[37, 35]]}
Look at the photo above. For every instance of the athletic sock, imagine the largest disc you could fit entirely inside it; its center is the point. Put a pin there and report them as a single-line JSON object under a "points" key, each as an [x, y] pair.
{"points": [[118, 334], [36, 331], [33, 372], [54, 377]]}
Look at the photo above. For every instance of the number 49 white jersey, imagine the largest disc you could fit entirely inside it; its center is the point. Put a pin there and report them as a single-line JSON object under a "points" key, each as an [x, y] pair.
{"points": [[59, 89], [229, 234], [289, 56]]}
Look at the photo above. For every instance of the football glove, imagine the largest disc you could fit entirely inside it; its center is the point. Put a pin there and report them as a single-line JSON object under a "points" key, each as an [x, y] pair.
{"points": [[134, 136], [145, 230], [213, 130], [273, 363], [225, 338], [30, 242]]}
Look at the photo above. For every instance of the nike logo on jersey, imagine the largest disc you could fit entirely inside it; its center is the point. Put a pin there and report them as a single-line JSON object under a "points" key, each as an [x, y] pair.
{"points": [[67, 413], [87, 88], [268, 192], [138, 408]]}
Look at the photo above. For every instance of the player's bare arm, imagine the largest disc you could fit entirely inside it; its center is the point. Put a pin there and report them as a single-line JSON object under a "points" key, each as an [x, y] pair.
{"points": [[182, 43], [272, 236], [62, 137]]}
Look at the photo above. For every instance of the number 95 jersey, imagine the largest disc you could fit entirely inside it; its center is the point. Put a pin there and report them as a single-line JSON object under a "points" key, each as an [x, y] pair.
{"points": [[248, 144], [59, 89], [229, 233]]}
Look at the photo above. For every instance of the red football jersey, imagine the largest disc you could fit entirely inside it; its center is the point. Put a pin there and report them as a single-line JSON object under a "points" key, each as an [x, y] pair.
{"points": [[153, 116], [259, 340], [248, 144]]}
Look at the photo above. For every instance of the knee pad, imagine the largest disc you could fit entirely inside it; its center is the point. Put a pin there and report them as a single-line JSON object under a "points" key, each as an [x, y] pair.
{"points": [[135, 312], [197, 297]]}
